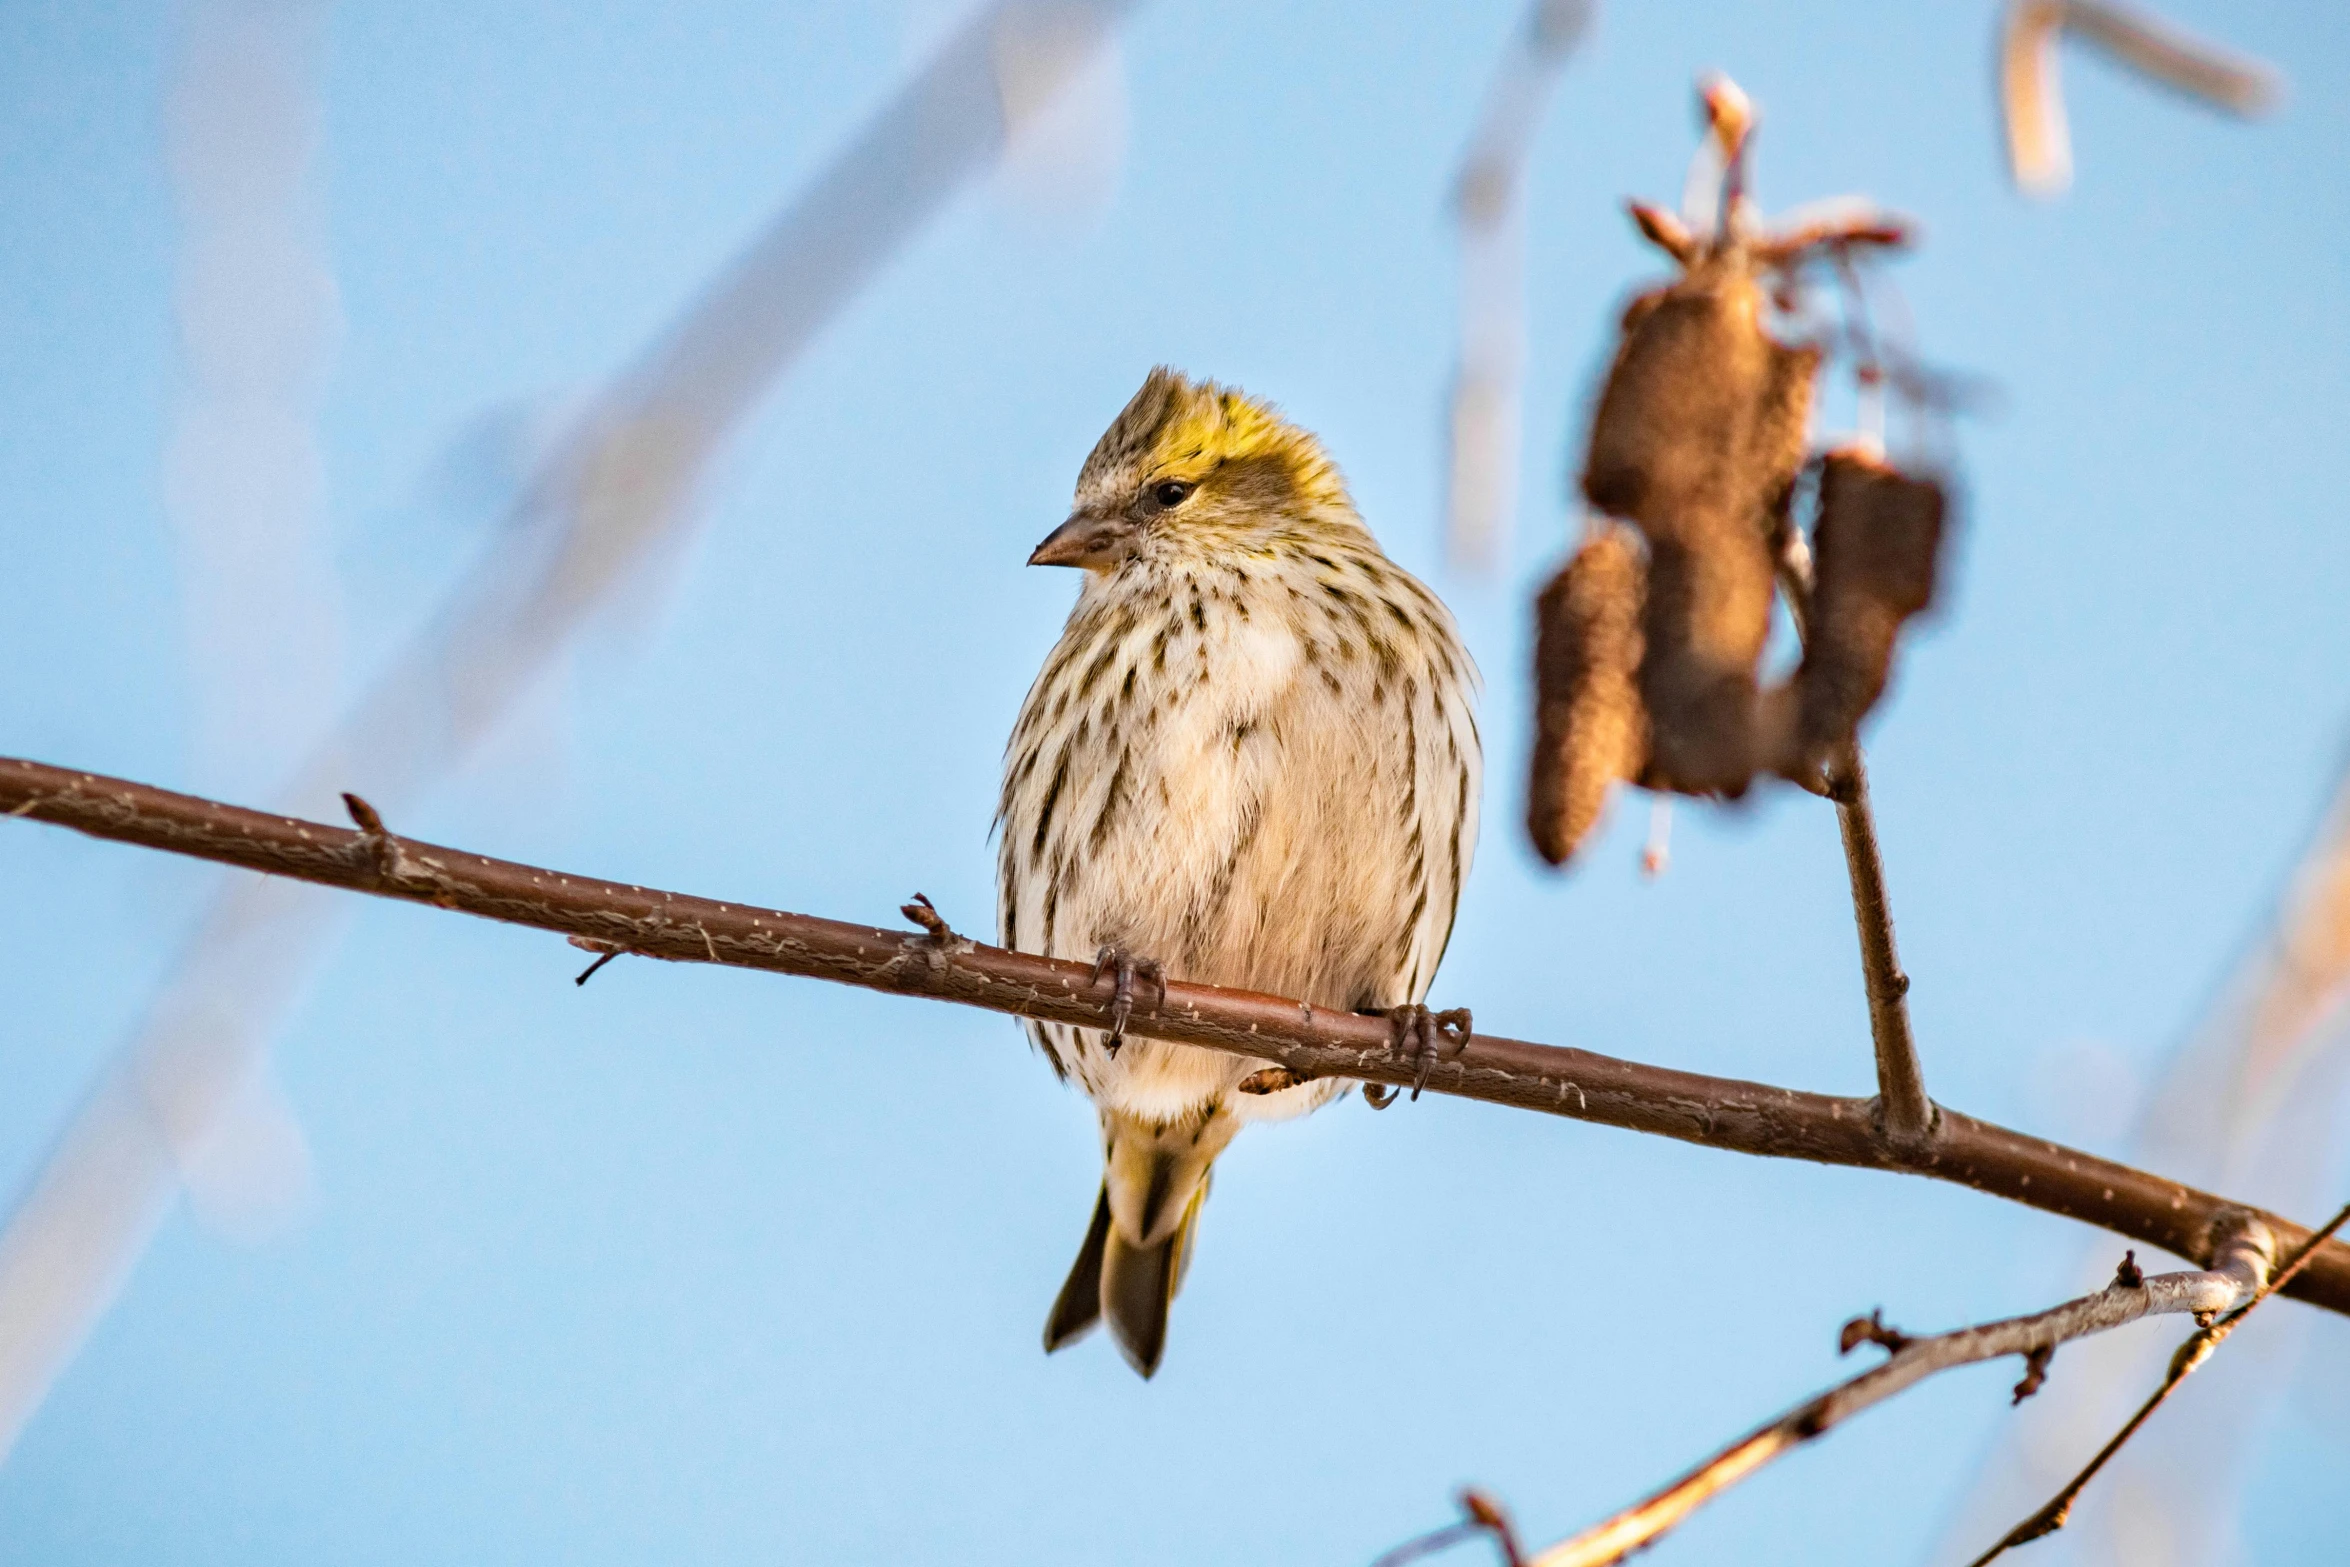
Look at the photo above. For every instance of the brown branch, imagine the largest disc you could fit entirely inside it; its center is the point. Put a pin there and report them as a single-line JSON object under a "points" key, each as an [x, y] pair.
{"points": [[1480, 1515], [1582, 1085], [1901, 1081], [2244, 1253], [1908, 1115], [2191, 1354]]}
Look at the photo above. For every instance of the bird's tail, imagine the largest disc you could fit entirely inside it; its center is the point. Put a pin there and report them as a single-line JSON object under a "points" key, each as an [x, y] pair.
{"points": [[1154, 1178]]}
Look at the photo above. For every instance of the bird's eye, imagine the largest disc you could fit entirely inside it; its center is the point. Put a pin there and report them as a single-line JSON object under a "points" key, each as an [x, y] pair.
{"points": [[1171, 492]]}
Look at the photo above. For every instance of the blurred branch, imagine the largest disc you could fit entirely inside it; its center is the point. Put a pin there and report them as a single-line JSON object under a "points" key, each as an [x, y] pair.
{"points": [[2252, 1103], [2243, 1252], [621, 482], [1486, 416], [1581, 1085], [2192, 1354], [2039, 145], [2270, 1026]]}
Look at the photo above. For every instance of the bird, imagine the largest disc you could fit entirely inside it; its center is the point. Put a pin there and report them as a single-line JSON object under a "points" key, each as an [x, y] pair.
{"points": [[1251, 760]]}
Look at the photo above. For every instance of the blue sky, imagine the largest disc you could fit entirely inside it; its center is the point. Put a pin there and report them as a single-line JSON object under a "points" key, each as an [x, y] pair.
{"points": [[719, 1267]]}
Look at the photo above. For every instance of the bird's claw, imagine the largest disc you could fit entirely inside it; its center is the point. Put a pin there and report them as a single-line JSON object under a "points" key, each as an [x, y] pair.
{"points": [[938, 941], [1123, 967], [925, 914], [1421, 1037]]}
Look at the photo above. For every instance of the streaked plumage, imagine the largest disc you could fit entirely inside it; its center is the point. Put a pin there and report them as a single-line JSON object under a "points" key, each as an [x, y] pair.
{"points": [[1251, 757]]}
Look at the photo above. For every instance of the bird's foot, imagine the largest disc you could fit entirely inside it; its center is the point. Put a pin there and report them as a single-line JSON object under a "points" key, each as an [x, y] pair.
{"points": [[1421, 1038], [937, 943], [1124, 968], [1272, 1080]]}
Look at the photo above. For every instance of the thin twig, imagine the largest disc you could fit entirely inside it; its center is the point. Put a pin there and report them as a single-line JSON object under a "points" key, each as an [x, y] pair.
{"points": [[1907, 1113], [2039, 146], [1901, 1080], [2243, 1252], [589, 972], [1480, 1515], [2058, 1509], [1583, 1085]]}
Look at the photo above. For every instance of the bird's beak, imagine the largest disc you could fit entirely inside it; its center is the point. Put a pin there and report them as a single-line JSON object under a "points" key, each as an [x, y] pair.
{"points": [[1087, 539]]}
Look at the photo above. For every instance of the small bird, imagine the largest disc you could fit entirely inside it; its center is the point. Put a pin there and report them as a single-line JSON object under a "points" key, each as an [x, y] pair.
{"points": [[1249, 761]]}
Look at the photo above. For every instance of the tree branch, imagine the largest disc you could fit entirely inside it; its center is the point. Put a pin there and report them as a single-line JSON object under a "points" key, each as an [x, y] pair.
{"points": [[1901, 1082], [1908, 1115], [2052, 1516], [1582, 1085], [2238, 1272]]}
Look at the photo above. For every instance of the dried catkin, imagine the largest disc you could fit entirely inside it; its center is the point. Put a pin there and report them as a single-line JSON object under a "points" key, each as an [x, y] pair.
{"points": [[1698, 437], [1780, 441], [1670, 432], [1589, 730], [1876, 547]]}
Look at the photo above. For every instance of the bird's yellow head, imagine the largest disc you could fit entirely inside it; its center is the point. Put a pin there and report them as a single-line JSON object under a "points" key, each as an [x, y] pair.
{"points": [[1193, 467]]}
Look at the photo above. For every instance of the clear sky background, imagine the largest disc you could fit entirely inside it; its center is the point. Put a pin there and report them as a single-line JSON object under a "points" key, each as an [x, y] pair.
{"points": [[718, 1267]]}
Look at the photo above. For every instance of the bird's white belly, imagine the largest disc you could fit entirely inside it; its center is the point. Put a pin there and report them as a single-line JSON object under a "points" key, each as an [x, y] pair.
{"points": [[1247, 858]]}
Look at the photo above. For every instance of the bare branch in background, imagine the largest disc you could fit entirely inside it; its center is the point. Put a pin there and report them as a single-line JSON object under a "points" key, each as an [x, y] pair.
{"points": [[2279, 1015], [2191, 1355], [1480, 1515], [2243, 1253], [622, 481], [2252, 1103], [1311, 1041], [1486, 419], [258, 316], [244, 486], [1065, 110], [188, 1100], [2039, 145]]}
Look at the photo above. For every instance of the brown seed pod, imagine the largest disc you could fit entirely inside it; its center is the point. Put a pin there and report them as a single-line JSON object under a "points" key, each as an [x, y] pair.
{"points": [[1707, 612], [1876, 547], [1780, 439], [1589, 729], [1681, 417], [1698, 437]]}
